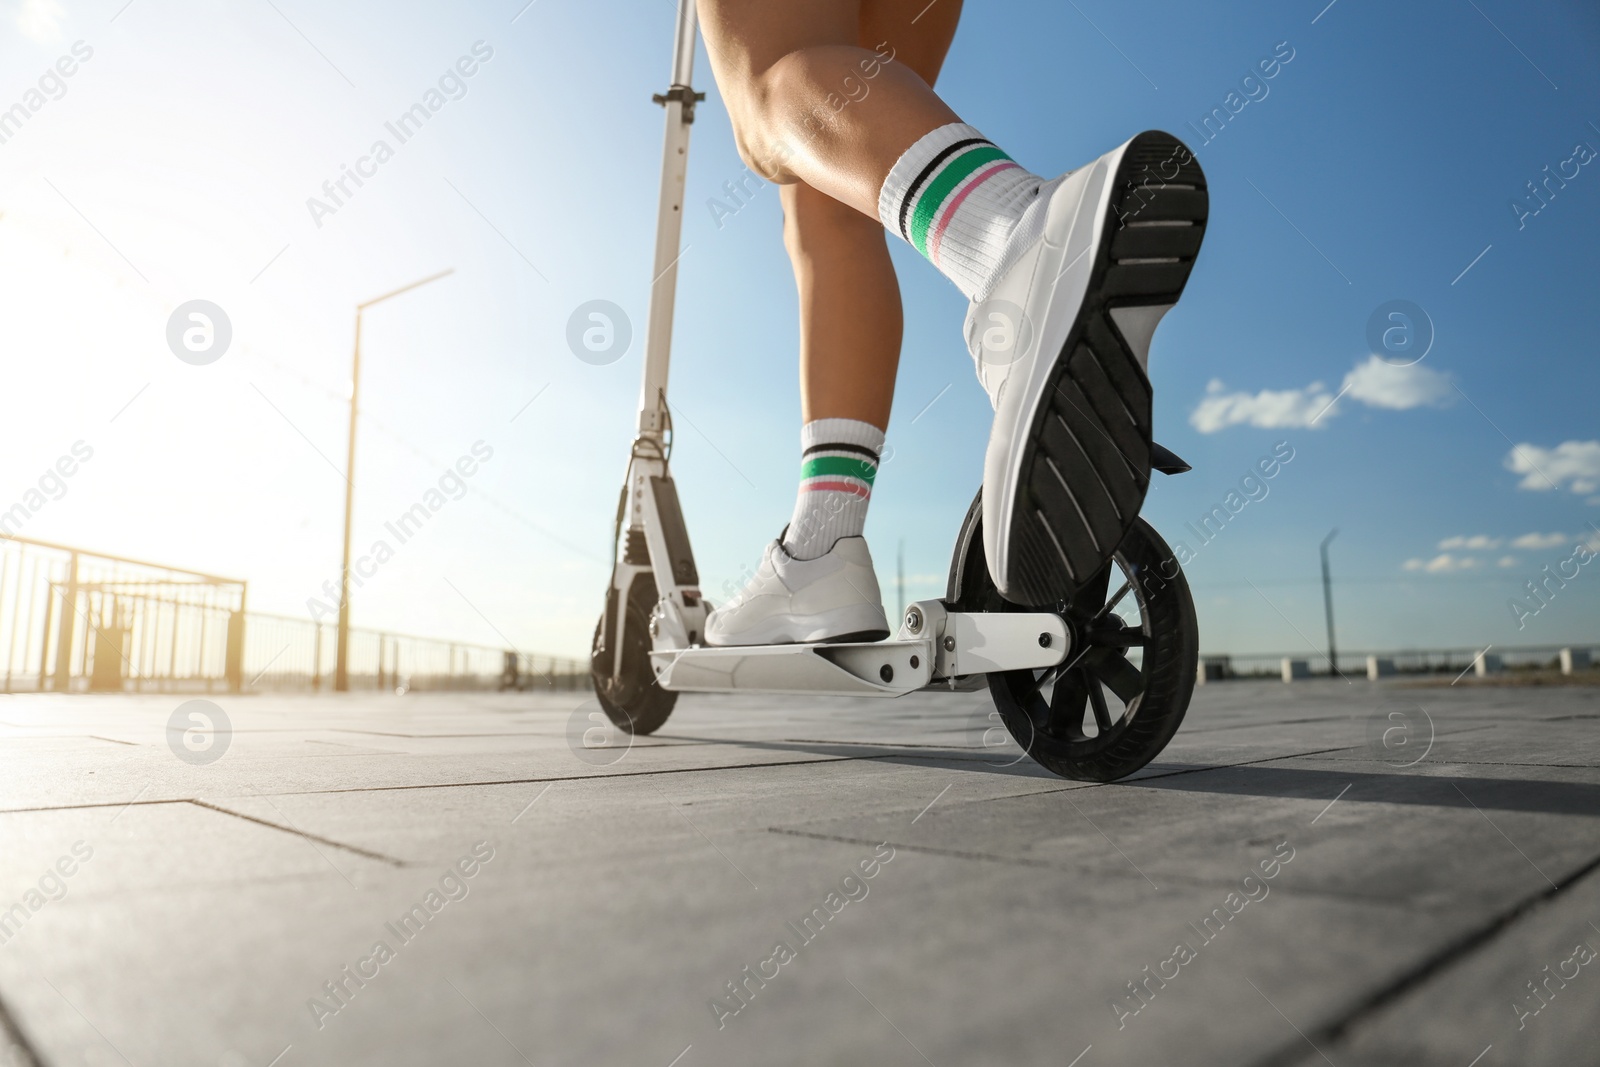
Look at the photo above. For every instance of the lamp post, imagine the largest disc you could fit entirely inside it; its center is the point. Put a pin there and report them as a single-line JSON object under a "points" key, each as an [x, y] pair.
{"points": [[341, 668], [1327, 602]]}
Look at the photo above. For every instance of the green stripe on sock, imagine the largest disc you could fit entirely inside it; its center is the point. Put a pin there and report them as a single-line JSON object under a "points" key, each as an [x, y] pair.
{"points": [[839, 466], [955, 172]]}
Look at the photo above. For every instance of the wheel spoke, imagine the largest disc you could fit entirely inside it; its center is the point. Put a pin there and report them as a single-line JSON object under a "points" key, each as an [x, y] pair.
{"points": [[1123, 636], [1102, 714], [1046, 676], [1066, 705], [1121, 677], [1115, 599]]}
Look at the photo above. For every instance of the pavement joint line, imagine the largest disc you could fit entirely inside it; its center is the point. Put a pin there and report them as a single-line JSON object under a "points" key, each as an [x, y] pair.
{"points": [[1266, 725], [1136, 781], [358, 850], [932, 850], [801, 763], [535, 781], [130, 803], [430, 737], [866, 744], [988, 857], [115, 740], [1081, 869], [1414, 976], [359, 748], [320, 854]]}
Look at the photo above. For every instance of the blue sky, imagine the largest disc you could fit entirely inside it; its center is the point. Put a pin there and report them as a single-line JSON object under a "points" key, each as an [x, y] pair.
{"points": [[1380, 164]]}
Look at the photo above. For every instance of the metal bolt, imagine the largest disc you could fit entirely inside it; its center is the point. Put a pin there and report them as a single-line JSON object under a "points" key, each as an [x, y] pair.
{"points": [[914, 619], [886, 672], [949, 644], [1044, 640]]}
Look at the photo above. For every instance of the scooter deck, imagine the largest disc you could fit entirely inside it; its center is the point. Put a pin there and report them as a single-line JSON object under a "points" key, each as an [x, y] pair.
{"points": [[938, 648]]}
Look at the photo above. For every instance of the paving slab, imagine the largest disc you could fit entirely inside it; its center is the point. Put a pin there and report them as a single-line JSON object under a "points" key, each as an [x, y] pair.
{"points": [[1283, 884]]}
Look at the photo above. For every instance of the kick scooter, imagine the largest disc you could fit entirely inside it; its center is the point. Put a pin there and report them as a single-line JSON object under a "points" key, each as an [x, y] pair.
{"points": [[1048, 670]]}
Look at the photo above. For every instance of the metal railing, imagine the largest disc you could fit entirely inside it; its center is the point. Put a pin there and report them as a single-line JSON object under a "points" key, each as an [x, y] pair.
{"points": [[282, 652], [73, 621], [1406, 661]]}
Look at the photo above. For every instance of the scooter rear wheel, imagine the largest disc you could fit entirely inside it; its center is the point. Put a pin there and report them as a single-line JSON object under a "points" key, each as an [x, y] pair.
{"points": [[631, 698], [1045, 711]]}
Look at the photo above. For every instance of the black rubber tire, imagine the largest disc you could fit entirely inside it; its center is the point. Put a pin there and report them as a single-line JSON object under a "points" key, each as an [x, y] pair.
{"points": [[632, 700], [1170, 636]]}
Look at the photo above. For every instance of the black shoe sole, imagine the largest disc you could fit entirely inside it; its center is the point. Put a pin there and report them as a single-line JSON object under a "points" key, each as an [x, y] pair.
{"points": [[1086, 467], [856, 638]]}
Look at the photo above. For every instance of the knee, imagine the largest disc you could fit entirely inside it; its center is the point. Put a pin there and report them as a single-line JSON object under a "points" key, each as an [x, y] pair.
{"points": [[761, 106]]}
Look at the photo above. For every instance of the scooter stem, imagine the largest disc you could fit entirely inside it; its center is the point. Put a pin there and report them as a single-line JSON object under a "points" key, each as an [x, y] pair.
{"points": [[679, 100]]}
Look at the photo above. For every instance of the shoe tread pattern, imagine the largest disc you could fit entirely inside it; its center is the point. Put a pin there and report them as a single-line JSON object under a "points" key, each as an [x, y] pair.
{"points": [[1086, 468]]}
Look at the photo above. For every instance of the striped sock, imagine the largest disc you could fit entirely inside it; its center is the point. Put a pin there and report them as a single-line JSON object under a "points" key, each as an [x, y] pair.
{"points": [[963, 203], [838, 461]]}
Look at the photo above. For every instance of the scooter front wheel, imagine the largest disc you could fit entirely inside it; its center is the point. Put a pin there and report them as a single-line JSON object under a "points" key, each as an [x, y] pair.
{"points": [[1118, 698], [631, 698]]}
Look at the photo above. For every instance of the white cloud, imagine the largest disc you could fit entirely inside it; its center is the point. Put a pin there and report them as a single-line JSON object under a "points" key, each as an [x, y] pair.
{"points": [[1507, 561], [1444, 563], [1374, 383], [1269, 409], [1477, 542], [1575, 464], [1384, 385], [1539, 540], [40, 20]]}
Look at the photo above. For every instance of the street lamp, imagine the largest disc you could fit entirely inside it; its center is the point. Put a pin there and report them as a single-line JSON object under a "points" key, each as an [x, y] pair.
{"points": [[1327, 602], [341, 669]]}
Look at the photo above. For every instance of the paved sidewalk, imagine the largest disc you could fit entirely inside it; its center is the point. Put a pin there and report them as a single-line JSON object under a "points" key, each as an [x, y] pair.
{"points": [[453, 879]]}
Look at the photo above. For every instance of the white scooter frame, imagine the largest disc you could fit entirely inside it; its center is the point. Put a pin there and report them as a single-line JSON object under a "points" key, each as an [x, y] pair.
{"points": [[935, 647]]}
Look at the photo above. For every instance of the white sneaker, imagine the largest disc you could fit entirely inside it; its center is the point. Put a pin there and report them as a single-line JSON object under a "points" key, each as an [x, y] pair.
{"points": [[831, 598], [1061, 346]]}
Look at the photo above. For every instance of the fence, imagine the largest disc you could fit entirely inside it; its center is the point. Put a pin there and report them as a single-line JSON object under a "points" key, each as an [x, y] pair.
{"points": [[1406, 661], [289, 653], [73, 621]]}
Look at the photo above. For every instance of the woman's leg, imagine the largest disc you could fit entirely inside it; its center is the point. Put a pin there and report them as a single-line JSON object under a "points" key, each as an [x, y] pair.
{"points": [[850, 314], [862, 125], [784, 69], [1068, 460]]}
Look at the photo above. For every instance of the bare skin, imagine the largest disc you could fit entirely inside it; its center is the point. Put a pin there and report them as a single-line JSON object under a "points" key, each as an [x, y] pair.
{"points": [[825, 97]]}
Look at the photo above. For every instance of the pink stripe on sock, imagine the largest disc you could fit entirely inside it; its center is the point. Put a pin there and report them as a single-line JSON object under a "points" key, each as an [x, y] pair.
{"points": [[840, 487], [982, 176]]}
